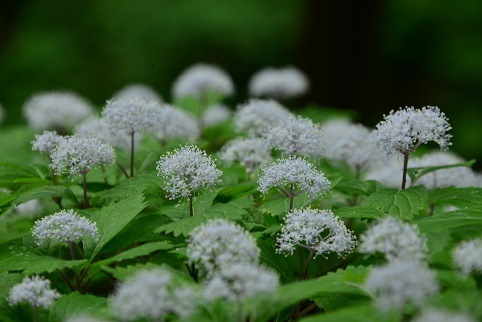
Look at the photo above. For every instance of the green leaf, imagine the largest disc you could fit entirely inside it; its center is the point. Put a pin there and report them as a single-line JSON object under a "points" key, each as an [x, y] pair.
{"points": [[416, 173], [457, 197], [453, 221], [201, 203], [113, 218], [17, 255], [359, 313], [121, 273], [276, 261], [79, 304], [404, 204], [47, 192], [280, 207], [353, 187], [362, 212]]}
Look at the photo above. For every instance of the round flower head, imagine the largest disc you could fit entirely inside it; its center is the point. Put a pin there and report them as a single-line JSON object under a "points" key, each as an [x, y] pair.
{"points": [[400, 282], [175, 123], [132, 114], [404, 130], [187, 169], [218, 243], [46, 142], [467, 256], [64, 226], [239, 281], [296, 135], [442, 178], [56, 110], [34, 290], [296, 172], [319, 231], [152, 294], [256, 116], [77, 154], [395, 239], [279, 83], [251, 153], [140, 90], [199, 79], [215, 114], [433, 314]]}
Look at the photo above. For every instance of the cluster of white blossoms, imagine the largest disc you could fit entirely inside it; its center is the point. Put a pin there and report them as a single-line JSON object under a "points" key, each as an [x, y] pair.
{"points": [[199, 79], [175, 123], [139, 90], [251, 153], [257, 115], [77, 154], [132, 114], [238, 281], [186, 170], [153, 294], [395, 239], [32, 208], [404, 130], [46, 142], [215, 114], [34, 290], [319, 231], [442, 178], [400, 282], [64, 226], [438, 314], [296, 135], [279, 83], [295, 172], [467, 256], [219, 243], [56, 110]]}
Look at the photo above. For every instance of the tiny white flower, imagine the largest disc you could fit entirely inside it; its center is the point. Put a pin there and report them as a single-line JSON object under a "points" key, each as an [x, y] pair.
{"points": [[187, 169], [437, 314], [251, 153], [467, 256], [34, 290], [56, 110], [293, 172], [64, 226], [141, 90], [256, 116], [395, 239], [218, 243], [216, 114], [279, 83], [401, 282], [319, 231], [46, 142], [296, 135], [175, 123], [77, 154], [238, 281], [404, 130], [199, 79]]}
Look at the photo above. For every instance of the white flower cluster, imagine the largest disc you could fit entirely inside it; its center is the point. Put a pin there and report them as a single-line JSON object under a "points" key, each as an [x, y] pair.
{"points": [[34, 290], [296, 135], [251, 153], [32, 208], [132, 114], [199, 79], [404, 130], [400, 282], [395, 239], [77, 154], [319, 231], [467, 256], [139, 90], [56, 110], [46, 142], [279, 83], [152, 294], [433, 314], [187, 169], [220, 243], [64, 226], [215, 114], [442, 178], [256, 116], [293, 171], [175, 123]]}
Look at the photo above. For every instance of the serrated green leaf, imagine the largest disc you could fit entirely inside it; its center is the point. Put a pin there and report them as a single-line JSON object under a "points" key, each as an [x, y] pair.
{"points": [[16, 255], [79, 304], [46, 192], [113, 218], [353, 187], [457, 197], [362, 212], [359, 313], [418, 172], [276, 261], [201, 203], [404, 204], [280, 207], [452, 221], [121, 273]]}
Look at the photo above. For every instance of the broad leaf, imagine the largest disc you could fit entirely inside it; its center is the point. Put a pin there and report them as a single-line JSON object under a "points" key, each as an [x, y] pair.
{"points": [[418, 172], [46, 192], [280, 207], [79, 304], [353, 187], [359, 313], [453, 221], [457, 197], [274, 260], [201, 203], [362, 212]]}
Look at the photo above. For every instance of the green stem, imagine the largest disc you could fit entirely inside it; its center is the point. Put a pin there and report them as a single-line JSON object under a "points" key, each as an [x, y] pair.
{"points": [[84, 185], [35, 313], [292, 196], [308, 262], [132, 154], [240, 311], [191, 208], [66, 279], [405, 166]]}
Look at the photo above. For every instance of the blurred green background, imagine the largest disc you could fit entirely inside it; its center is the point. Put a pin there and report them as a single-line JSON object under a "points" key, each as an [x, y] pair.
{"points": [[368, 56]]}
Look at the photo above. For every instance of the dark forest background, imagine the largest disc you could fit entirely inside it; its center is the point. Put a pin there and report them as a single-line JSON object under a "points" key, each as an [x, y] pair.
{"points": [[367, 56]]}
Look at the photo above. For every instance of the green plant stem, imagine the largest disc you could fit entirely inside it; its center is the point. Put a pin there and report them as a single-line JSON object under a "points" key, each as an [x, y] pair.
{"points": [[84, 185], [308, 262], [132, 154], [66, 279], [308, 309], [240, 311], [72, 255], [192, 271], [191, 209], [35, 313], [123, 170], [292, 196], [405, 166]]}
